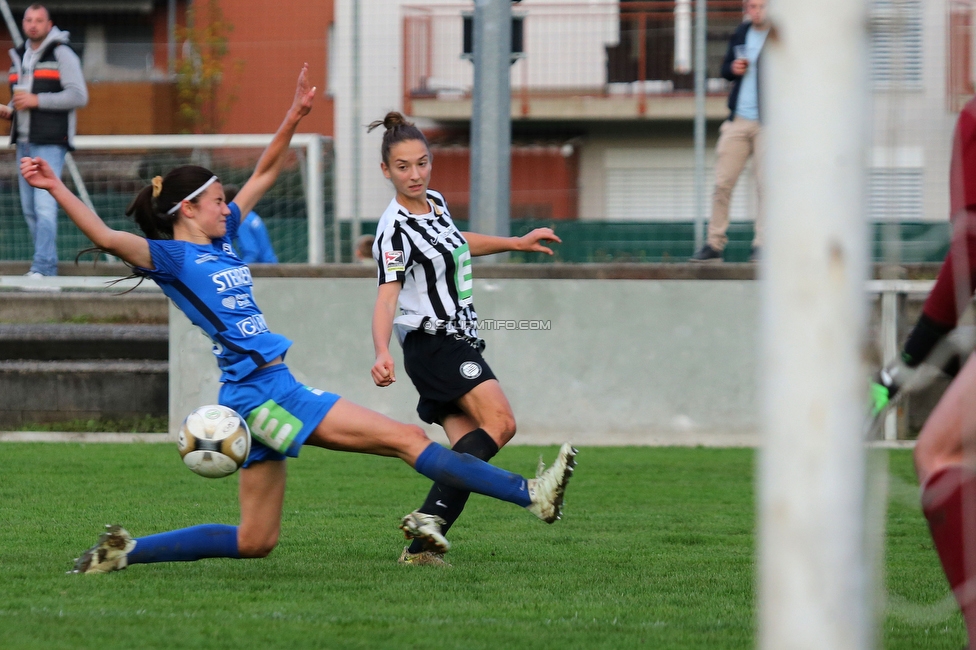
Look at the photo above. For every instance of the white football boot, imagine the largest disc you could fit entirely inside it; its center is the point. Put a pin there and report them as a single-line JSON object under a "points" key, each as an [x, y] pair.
{"points": [[548, 487], [109, 553], [418, 525]]}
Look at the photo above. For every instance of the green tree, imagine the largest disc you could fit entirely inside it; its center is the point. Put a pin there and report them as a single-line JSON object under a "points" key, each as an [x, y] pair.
{"points": [[200, 69]]}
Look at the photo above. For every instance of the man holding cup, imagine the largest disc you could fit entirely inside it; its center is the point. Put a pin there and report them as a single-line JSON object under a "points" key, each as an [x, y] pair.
{"points": [[47, 87], [740, 136]]}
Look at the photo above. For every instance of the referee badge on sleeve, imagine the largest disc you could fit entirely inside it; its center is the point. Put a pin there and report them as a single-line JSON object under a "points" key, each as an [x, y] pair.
{"points": [[393, 261]]}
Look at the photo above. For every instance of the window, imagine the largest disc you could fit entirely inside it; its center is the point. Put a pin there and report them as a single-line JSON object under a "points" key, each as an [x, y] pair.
{"points": [[896, 44], [650, 184], [129, 46], [895, 184], [895, 194]]}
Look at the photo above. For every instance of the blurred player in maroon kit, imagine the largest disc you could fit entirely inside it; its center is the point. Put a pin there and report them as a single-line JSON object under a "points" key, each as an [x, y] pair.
{"points": [[946, 472]]}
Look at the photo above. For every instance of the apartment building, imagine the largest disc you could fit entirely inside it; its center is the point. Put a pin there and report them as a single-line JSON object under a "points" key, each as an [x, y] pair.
{"points": [[602, 107]]}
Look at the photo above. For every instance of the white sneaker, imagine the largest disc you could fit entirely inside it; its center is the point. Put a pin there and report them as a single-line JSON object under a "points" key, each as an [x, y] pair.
{"points": [[548, 487], [110, 552], [34, 275], [418, 525]]}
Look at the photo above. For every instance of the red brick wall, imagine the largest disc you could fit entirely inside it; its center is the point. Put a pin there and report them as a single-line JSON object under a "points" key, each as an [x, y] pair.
{"points": [[268, 45], [544, 181]]}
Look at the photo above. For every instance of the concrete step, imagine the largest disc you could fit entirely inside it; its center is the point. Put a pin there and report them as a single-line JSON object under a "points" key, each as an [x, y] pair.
{"points": [[37, 307], [52, 391], [59, 341], [58, 371]]}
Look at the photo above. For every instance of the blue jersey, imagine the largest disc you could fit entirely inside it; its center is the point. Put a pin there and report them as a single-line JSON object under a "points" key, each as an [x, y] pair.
{"points": [[253, 242], [210, 284]]}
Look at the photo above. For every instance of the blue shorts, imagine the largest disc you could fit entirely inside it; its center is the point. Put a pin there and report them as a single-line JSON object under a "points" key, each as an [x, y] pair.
{"points": [[280, 412]]}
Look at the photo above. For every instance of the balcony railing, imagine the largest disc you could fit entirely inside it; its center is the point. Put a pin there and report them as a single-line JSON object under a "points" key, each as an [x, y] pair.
{"points": [[607, 50]]}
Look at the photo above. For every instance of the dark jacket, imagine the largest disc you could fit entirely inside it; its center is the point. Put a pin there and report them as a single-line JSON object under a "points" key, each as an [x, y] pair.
{"points": [[739, 38], [58, 82]]}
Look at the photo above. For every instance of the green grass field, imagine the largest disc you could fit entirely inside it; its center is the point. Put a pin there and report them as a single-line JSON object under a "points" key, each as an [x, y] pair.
{"points": [[655, 550]]}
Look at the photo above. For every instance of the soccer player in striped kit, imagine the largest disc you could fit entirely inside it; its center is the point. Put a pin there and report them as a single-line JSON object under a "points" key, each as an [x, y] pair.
{"points": [[424, 267], [187, 251]]}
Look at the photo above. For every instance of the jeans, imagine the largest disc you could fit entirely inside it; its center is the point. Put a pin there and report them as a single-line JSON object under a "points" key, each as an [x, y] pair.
{"points": [[40, 208]]}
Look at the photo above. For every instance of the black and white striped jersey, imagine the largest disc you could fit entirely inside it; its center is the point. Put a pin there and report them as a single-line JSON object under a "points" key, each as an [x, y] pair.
{"points": [[430, 257]]}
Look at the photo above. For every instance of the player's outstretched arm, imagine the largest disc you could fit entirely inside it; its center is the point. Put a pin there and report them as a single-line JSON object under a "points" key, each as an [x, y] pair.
{"points": [[531, 242], [383, 370], [269, 165], [131, 248]]}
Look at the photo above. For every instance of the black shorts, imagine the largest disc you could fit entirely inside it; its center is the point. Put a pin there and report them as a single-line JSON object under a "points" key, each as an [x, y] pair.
{"points": [[443, 367]]}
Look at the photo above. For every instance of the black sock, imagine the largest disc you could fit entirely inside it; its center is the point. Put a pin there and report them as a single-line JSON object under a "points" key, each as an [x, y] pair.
{"points": [[447, 502], [924, 336]]}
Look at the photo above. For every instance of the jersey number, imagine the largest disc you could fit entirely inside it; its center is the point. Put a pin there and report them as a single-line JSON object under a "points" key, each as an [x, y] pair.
{"points": [[463, 277]]}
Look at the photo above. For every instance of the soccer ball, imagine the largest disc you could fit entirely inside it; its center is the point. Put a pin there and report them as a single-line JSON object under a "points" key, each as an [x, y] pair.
{"points": [[214, 441]]}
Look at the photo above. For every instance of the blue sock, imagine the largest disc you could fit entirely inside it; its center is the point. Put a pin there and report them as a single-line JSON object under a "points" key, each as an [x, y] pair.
{"points": [[465, 472], [186, 545]]}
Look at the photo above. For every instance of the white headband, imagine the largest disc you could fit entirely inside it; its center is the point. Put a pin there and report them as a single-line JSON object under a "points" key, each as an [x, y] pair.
{"points": [[194, 194]]}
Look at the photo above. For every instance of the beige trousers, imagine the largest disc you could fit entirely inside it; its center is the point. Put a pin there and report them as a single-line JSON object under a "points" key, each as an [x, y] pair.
{"points": [[737, 140]]}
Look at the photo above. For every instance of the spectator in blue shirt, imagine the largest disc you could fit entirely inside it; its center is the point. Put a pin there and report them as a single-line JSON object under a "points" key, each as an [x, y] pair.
{"points": [[253, 244], [740, 136]]}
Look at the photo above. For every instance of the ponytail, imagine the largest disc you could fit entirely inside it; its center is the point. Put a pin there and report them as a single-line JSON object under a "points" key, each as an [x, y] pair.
{"points": [[153, 207]]}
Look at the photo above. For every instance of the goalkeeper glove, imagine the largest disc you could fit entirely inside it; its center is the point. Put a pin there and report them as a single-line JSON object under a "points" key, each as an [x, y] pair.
{"points": [[886, 384]]}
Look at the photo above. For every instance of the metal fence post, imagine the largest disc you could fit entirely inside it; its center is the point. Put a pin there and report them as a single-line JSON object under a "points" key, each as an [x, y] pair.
{"points": [[701, 65], [491, 119]]}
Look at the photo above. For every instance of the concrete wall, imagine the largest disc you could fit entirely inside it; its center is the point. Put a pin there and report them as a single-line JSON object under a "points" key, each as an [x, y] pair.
{"points": [[616, 362]]}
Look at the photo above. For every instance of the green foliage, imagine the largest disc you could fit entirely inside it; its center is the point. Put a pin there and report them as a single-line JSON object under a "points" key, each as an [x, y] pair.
{"points": [[200, 70], [656, 550]]}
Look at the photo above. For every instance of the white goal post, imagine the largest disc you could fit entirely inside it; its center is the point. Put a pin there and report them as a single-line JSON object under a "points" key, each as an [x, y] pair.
{"points": [[312, 172], [815, 575]]}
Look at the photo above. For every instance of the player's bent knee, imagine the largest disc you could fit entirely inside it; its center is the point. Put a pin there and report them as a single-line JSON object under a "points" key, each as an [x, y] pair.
{"points": [[412, 432], [506, 428], [256, 550], [934, 450], [249, 546], [411, 443], [500, 425]]}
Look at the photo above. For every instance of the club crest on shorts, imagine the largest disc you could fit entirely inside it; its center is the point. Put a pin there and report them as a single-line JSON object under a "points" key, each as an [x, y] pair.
{"points": [[470, 370], [393, 261]]}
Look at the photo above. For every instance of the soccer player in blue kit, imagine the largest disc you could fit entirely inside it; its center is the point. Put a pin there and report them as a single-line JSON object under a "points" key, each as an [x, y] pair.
{"points": [[187, 252]]}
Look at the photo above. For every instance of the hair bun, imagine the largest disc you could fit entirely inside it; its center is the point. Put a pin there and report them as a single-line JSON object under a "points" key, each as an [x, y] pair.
{"points": [[394, 119], [157, 185]]}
